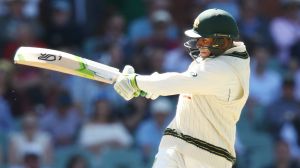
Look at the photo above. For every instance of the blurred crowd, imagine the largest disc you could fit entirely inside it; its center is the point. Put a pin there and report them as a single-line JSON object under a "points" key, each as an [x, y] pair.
{"points": [[53, 120]]}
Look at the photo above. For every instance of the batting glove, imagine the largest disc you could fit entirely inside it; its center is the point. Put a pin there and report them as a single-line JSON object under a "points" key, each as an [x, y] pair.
{"points": [[126, 85]]}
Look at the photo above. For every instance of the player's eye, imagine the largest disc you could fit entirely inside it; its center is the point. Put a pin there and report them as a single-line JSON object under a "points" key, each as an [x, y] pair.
{"points": [[204, 42]]}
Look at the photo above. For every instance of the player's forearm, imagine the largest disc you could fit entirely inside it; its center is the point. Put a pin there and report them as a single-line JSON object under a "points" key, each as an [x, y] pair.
{"points": [[165, 84]]}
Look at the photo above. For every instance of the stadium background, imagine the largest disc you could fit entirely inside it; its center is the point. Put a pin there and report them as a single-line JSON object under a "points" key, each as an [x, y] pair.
{"points": [[48, 119]]}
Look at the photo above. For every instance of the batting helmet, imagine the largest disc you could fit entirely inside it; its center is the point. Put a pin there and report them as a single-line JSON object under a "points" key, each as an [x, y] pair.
{"points": [[212, 23]]}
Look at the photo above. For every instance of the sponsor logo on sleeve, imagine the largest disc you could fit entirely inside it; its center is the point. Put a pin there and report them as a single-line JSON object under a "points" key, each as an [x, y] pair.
{"points": [[193, 74]]}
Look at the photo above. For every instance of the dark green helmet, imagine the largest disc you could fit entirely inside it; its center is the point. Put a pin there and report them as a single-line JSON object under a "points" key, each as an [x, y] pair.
{"points": [[214, 23]]}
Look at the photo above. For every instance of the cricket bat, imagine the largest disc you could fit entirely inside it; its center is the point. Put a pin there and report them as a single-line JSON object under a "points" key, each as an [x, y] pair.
{"points": [[66, 63]]}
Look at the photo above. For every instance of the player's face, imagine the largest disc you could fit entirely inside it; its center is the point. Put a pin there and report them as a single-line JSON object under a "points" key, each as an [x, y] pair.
{"points": [[203, 44]]}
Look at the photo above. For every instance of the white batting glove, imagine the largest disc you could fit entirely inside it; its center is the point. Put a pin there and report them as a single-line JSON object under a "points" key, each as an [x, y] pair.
{"points": [[126, 85]]}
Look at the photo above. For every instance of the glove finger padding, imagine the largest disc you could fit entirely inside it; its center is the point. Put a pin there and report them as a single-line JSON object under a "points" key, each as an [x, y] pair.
{"points": [[126, 85], [128, 69], [125, 93]]}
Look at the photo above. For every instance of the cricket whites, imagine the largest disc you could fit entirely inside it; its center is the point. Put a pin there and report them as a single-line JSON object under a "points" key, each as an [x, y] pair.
{"points": [[66, 63]]}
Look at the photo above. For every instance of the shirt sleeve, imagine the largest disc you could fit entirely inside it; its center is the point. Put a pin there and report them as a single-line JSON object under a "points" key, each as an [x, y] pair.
{"points": [[205, 78]]}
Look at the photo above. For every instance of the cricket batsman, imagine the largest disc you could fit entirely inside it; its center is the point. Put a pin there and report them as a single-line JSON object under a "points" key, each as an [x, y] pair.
{"points": [[212, 93]]}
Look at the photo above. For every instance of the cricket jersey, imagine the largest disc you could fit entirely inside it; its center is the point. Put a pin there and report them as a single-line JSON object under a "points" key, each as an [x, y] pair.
{"points": [[212, 93]]}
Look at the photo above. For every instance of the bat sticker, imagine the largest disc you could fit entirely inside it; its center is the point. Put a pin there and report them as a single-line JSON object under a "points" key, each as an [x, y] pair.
{"points": [[49, 57], [84, 70]]}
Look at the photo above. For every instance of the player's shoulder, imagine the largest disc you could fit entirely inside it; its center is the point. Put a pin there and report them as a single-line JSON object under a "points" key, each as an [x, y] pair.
{"points": [[238, 50], [236, 56]]}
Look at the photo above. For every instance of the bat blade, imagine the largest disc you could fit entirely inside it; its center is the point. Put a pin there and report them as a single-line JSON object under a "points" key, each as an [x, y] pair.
{"points": [[66, 63]]}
